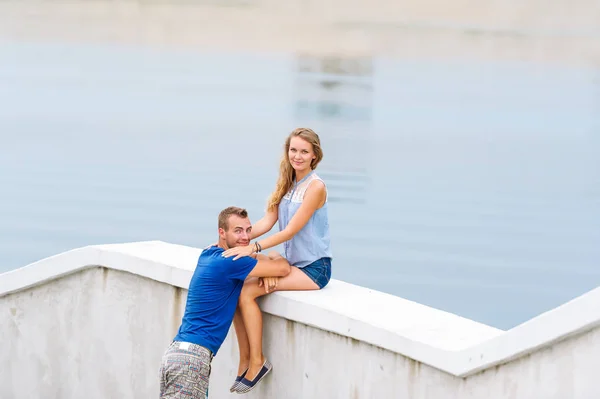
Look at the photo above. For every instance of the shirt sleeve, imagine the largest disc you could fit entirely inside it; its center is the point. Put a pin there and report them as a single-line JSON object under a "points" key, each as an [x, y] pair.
{"points": [[239, 269]]}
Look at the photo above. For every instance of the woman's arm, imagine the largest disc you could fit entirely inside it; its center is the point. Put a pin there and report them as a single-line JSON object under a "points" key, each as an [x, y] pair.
{"points": [[264, 225], [314, 198]]}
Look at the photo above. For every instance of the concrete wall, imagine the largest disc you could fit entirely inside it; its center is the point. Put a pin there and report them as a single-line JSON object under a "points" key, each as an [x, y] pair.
{"points": [[93, 322]]}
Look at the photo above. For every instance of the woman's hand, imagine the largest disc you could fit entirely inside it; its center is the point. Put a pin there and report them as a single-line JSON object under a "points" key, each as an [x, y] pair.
{"points": [[238, 252]]}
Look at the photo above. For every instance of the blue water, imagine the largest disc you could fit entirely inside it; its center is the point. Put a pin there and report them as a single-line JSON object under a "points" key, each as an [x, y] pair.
{"points": [[469, 186]]}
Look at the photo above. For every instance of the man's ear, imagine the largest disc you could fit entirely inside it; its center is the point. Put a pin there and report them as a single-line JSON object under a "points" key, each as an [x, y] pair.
{"points": [[221, 232]]}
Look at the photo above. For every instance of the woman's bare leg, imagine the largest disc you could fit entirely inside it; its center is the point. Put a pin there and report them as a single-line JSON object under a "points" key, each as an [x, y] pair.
{"points": [[242, 338], [297, 280]]}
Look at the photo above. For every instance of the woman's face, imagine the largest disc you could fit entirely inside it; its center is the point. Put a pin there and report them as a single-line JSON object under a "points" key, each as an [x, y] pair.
{"points": [[301, 154]]}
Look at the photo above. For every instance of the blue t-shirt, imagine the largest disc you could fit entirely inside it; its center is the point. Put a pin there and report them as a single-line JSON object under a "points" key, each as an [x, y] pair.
{"points": [[212, 298]]}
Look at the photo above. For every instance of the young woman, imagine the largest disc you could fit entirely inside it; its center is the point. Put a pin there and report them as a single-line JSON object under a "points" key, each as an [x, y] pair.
{"points": [[299, 203]]}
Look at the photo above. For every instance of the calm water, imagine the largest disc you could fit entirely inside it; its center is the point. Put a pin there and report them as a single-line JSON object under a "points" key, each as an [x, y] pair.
{"points": [[469, 186]]}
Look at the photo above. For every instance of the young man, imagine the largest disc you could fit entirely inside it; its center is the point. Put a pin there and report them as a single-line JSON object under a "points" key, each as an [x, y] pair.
{"points": [[211, 303]]}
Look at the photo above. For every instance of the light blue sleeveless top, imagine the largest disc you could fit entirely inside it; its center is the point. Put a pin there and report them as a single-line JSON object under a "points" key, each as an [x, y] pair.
{"points": [[311, 243]]}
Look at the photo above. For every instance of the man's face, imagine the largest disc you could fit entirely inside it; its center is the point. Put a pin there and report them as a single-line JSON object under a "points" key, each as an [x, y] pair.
{"points": [[237, 233]]}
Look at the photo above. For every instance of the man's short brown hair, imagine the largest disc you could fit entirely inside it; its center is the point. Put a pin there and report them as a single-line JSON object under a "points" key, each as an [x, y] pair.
{"points": [[229, 211]]}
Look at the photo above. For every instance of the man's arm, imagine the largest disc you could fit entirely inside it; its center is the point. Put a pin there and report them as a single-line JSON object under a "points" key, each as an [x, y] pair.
{"points": [[273, 265]]}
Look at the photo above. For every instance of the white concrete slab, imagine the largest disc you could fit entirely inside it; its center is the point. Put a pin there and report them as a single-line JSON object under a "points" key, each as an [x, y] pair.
{"points": [[440, 339]]}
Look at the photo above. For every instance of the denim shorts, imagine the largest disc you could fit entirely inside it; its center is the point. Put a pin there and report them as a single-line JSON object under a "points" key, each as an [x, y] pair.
{"points": [[319, 271]]}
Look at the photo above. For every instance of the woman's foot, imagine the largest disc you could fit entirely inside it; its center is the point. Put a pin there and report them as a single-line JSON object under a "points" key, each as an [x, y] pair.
{"points": [[246, 385], [254, 367], [237, 380]]}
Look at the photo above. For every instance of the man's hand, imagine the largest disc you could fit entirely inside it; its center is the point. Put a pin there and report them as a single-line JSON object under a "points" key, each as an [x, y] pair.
{"points": [[270, 283]]}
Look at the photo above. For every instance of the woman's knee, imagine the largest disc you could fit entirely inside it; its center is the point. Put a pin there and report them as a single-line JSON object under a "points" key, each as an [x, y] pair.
{"points": [[250, 291], [245, 295], [274, 255]]}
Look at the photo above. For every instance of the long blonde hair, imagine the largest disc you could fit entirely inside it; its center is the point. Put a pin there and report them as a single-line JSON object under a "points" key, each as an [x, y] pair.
{"points": [[286, 172]]}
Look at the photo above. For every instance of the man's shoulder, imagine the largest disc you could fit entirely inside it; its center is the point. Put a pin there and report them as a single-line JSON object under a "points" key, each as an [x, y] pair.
{"points": [[210, 254], [211, 249], [212, 263], [213, 254]]}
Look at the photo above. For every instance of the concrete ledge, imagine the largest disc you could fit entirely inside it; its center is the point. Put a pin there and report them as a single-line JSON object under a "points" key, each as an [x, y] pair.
{"points": [[445, 341]]}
